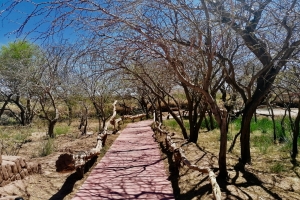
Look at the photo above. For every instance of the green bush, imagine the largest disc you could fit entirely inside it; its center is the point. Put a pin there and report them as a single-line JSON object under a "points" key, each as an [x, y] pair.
{"points": [[171, 123], [277, 168], [279, 132], [237, 123], [6, 120], [230, 136], [20, 136], [61, 130], [262, 142], [47, 147], [203, 124], [287, 146], [186, 125], [11, 141], [263, 124]]}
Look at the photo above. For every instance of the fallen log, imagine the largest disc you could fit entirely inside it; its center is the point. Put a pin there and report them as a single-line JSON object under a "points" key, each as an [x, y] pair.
{"points": [[65, 162], [181, 158]]}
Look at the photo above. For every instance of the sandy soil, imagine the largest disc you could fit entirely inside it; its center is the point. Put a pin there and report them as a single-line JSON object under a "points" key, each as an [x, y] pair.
{"points": [[51, 184], [256, 182]]}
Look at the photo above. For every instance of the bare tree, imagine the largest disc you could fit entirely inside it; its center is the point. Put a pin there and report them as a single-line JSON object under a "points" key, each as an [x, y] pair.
{"points": [[96, 84], [288, 81], [47, 87], [191, 36], [270, 31]]}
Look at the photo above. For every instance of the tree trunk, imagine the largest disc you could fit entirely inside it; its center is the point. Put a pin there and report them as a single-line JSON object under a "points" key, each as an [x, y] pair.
{"points": [[144, 106], [233, 142], [51, 125], [29, 111], [159, 110], [206, 123], [223, 149], [197, 125], [282, 124], [264, 83], [103, 122], [211, 121], [70, 113], [296, 135], [180, 123], [273, 121], [245, 135], [5, 104], [194, 135], [22, 110]]}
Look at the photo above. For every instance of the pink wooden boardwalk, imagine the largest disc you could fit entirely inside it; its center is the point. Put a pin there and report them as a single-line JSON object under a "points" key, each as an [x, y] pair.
{"points": [[131, 169]]}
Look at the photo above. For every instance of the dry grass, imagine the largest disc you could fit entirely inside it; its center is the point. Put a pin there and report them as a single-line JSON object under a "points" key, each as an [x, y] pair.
{"points": [[51, 184], [270, 176]]}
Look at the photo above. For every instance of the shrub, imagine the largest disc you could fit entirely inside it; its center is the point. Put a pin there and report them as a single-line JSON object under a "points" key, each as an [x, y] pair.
{"points": [[203, 124], [186, 125], [171, 123], [46, 148], [280, 133], [6, 120], [263, 142], [11, 143], [229, 136], [61, 130], [287, 146], [277, 168], [237, 123]]}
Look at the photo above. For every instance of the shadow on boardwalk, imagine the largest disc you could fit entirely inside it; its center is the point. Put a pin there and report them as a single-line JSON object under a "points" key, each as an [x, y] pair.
{"points": [[68, 185], [131, 169]]}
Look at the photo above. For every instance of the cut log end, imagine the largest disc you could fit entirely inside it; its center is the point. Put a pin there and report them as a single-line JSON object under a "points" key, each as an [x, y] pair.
{"points": [[65, 162]]}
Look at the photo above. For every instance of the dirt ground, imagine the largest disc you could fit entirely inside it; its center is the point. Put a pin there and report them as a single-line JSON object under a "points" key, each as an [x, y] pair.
{"points": [[256, 182], [51, 184]]}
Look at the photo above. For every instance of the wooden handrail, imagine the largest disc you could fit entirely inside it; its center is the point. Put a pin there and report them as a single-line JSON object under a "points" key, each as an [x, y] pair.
{"points": [[180, 157], [77, 160]]}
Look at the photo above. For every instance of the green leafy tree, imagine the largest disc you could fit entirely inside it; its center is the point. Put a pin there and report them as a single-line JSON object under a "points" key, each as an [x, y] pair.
{"points": [[17, 67]]}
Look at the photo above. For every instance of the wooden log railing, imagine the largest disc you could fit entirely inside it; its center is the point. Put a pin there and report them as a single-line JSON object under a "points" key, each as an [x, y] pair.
{"points": [[181, 158], [79, 160], [133, 117]]}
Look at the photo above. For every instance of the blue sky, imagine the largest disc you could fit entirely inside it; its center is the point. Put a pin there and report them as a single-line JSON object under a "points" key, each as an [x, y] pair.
{"points": [[10, 23]]}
